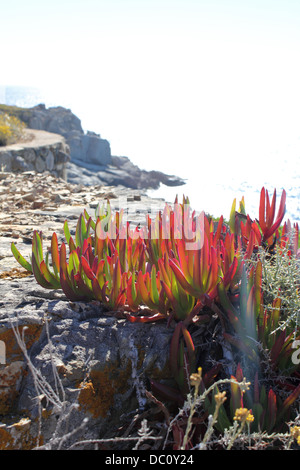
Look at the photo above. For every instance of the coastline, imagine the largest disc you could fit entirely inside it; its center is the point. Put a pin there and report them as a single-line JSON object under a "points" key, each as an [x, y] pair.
{"points": [[91, 161]]}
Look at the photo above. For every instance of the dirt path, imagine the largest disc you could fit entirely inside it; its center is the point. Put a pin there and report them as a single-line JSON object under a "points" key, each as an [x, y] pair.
{"points": [[34, 138]]}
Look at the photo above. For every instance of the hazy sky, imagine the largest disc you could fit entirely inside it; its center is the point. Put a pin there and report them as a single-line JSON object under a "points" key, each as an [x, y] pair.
{"points": [[179, 76]]}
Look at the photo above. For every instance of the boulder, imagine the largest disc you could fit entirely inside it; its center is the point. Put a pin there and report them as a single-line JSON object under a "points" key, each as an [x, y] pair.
{"points": [[85, 364], [88, 148]]}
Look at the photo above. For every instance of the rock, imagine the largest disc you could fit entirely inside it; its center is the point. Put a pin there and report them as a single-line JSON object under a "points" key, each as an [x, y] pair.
{"points": [[10, 381], [91, 160], [17, 436], [40, 164], [121, 172], [50, 161], [58, 120], [19, 164], [97, 150], [5, 161], [85, 355], [88, 148], [29, 155]]}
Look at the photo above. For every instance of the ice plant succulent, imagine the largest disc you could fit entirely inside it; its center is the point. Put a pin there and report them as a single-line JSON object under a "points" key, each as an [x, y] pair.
{"points": [[267, 214], [182, 267]]}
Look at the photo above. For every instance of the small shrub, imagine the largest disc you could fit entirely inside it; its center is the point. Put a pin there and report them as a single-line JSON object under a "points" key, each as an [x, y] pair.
{"points": [[11, 129]]}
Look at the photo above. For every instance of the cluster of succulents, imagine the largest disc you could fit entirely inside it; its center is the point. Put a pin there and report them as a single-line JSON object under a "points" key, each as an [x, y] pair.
{"points": [[182, 267]]}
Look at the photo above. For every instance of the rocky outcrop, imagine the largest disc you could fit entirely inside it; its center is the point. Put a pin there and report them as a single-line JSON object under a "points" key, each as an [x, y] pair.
{"points": [[38, 151], [87, 147], [58, 120], [91, 160], [121, 172], [85, 372]]}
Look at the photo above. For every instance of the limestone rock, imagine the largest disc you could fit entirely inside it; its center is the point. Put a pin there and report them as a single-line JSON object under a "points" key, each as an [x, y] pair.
{"points": [[88, 148], [101, 362], [50, 161]]}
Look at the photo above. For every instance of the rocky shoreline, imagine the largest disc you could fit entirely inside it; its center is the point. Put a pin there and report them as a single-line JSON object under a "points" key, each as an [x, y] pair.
{"points": [[91, 161]]}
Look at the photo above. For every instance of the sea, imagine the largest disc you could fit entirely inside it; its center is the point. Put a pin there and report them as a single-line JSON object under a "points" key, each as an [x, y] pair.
{"points": [[211, 184]]}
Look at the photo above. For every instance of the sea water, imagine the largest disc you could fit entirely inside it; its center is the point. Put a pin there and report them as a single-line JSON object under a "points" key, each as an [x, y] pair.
{"points": [[213, 179]]}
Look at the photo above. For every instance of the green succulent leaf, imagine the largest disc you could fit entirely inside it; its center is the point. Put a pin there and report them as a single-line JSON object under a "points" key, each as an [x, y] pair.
{"points": [[20, 259]]}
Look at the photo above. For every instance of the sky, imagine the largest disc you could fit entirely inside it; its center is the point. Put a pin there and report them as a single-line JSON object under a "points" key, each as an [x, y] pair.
{"points": [[174, 80]]}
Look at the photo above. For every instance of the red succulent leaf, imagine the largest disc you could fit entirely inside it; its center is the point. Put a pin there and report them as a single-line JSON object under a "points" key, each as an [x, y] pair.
{"points": [[98, 292], [189, 344], [49, 277], [55, 253], [267, 213], [86, 268], [145, 318], [66, 287], [277, 347], [288, 402], [174, 349], [81, 286], [271, 411], [39, 274]]}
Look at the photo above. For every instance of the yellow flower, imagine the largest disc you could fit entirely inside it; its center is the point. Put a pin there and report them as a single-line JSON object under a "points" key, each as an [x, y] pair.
{"points": [[244, 385], [243, 415], [220, 398], [196, 377], [295, 433]]}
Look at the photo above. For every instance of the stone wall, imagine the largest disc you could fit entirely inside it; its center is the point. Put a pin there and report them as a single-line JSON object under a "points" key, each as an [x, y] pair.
{"points": [[39, 151]]}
